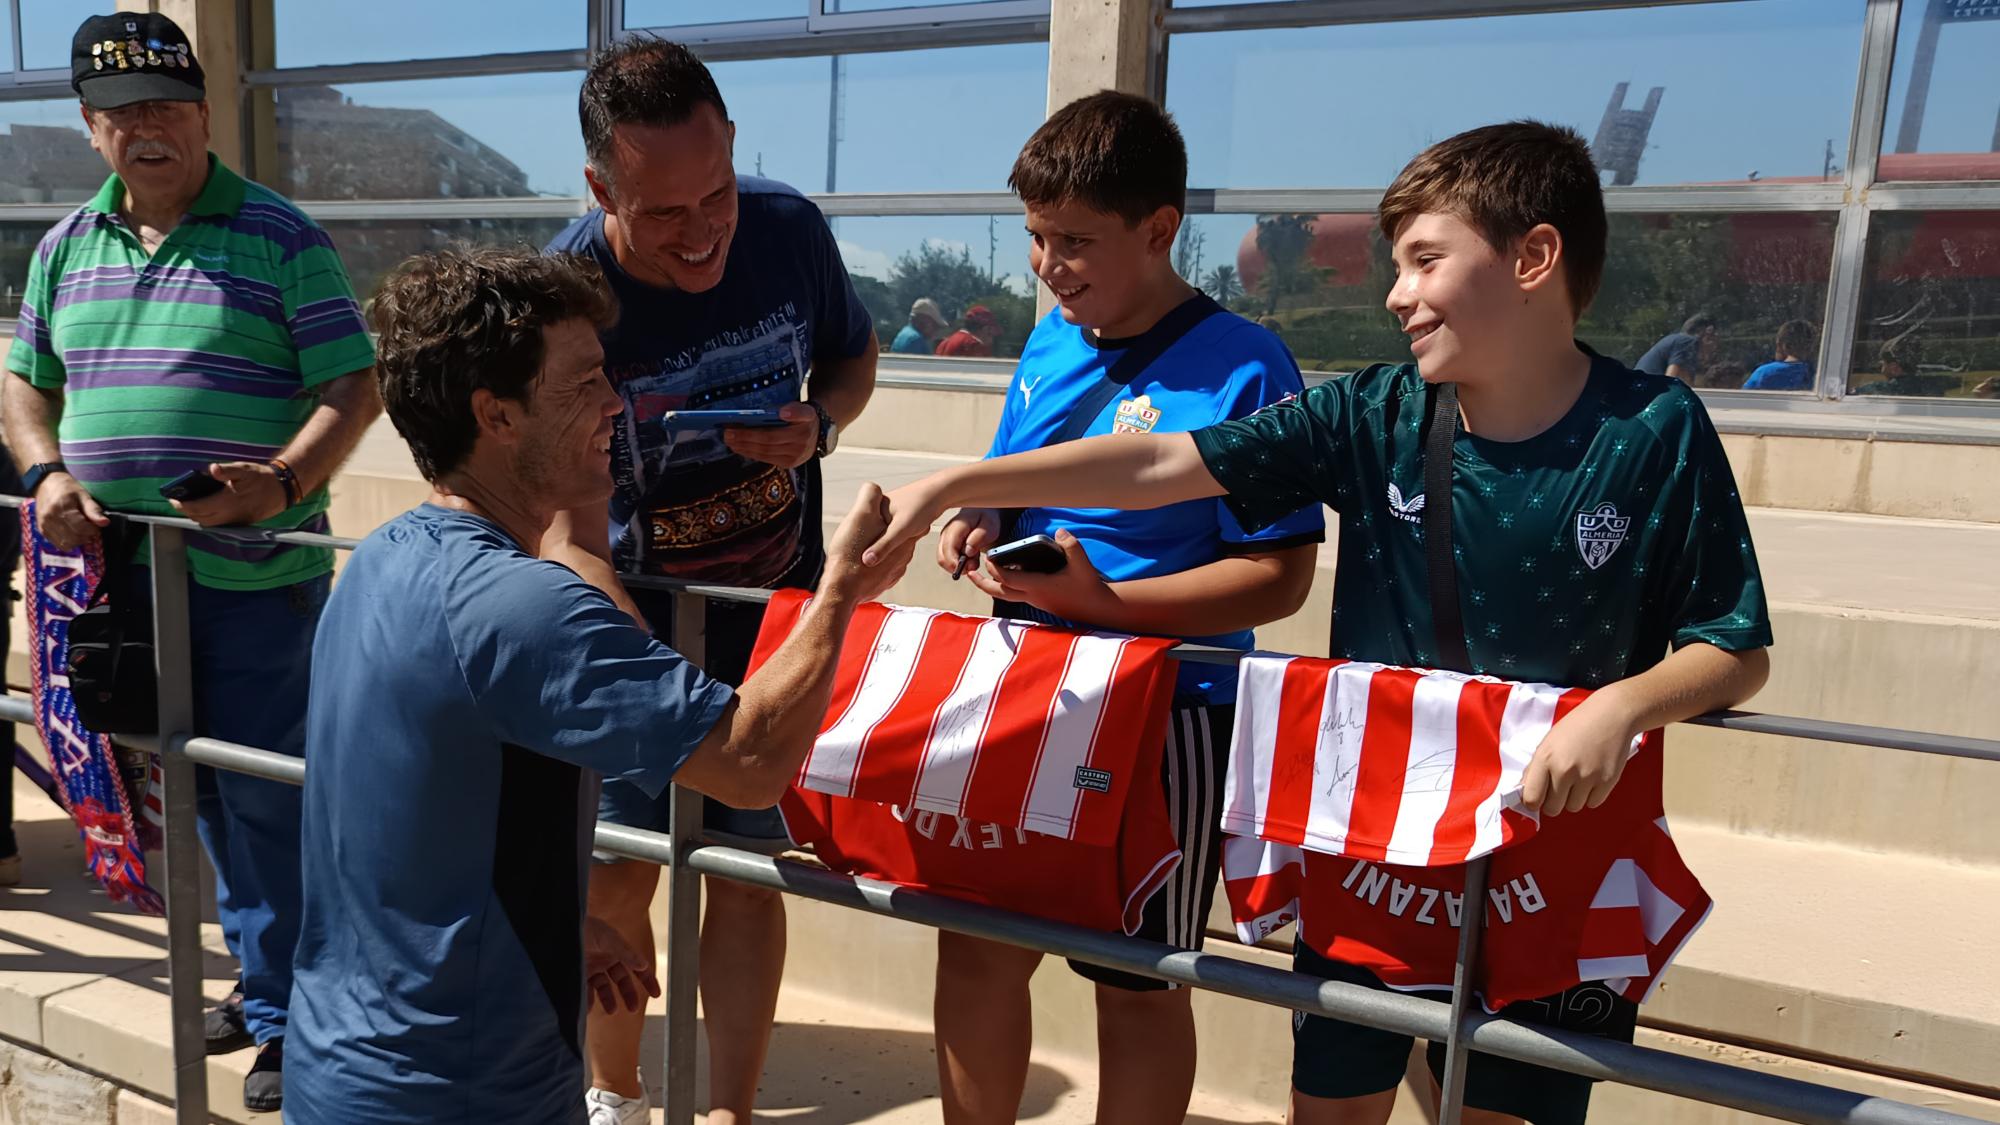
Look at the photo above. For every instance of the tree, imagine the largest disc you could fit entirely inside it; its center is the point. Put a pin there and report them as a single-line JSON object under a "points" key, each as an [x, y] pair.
{"points": [[946, 276], [1284, 240], [1223, 284]]}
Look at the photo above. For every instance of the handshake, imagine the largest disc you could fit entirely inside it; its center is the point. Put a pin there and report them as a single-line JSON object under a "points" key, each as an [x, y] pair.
{"points": [[872, 547]]}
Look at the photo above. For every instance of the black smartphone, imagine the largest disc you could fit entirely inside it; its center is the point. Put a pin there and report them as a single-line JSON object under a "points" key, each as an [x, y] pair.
{"points": [[195, 485], [1037, 554]]}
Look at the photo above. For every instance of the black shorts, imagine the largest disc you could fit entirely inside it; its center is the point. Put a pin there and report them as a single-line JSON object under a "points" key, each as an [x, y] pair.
{"points": [[1197, 754], [1336, 1059]]}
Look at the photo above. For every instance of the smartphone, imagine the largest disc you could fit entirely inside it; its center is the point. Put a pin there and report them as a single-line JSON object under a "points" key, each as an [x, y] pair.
{"points": [[194, 485], [711, 419], [1037, 554]]}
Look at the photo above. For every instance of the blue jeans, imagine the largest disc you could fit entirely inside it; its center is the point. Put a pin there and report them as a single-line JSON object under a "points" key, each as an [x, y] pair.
{"points": [[252, 659]]}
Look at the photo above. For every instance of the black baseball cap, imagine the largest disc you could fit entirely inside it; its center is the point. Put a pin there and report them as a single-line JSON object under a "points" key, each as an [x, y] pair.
{"points": [[129, 57]]}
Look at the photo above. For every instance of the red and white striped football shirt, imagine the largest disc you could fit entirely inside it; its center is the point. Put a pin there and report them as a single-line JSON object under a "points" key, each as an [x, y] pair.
{"points": [[1383, 763], [1600, 894], [990, 721]]}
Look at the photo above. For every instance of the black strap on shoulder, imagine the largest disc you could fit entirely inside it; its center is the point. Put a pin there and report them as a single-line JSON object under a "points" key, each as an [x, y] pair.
{"points": [[1150, 346], [1447, 617]]}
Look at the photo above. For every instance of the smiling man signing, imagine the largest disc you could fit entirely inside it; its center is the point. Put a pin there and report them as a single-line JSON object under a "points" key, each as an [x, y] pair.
{"points": [[732, 295]]}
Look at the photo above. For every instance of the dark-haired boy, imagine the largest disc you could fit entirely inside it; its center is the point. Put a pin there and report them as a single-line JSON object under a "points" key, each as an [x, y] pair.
{"points": [[731, 294], [1131, 349], [1596, 519]]}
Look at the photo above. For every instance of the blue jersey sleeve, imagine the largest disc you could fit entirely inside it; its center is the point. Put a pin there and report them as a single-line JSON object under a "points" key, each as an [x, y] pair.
{"points": [[1268, 377], [556, 668]]}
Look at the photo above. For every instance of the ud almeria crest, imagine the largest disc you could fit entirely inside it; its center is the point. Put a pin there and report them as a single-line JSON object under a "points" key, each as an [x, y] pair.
{"points": [[1599, 532]]}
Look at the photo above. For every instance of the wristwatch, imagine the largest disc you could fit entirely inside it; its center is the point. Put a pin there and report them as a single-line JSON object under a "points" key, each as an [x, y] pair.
{"points": [[32, 479], [829, 431]]}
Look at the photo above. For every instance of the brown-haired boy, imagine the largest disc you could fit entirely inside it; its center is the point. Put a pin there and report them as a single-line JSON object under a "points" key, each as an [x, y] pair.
{"points": [[1595, 515], [1133, 349]]}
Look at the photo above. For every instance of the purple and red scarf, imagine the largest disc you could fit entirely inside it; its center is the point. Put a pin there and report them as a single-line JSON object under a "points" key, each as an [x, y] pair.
{"points": [[85, 766]]}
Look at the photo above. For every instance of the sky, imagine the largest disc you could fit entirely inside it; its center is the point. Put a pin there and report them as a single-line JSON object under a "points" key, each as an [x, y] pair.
{"points": [[1758, 86]]}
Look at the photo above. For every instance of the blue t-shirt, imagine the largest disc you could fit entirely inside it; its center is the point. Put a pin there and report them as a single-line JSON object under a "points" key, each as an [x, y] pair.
{"points": [[909, 341], [462, 693], [1780, 375], [1675, 348], [686, 506], [1225, 367]]}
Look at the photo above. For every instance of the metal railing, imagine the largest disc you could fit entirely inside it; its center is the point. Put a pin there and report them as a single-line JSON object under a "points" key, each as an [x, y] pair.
{"points": [[1460, 1025]]}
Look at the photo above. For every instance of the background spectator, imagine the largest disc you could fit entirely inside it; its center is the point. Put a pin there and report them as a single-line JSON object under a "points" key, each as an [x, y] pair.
{"points": [[921, 335], [977, 338], [1792, 370], [1682, 354]]}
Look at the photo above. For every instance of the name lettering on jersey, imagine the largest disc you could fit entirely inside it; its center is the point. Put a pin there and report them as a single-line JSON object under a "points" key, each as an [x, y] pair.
{"points": [[1599, 533], [1136, 416], [1411, 510], [1378, 888], [1097, 781], [966, 834]]}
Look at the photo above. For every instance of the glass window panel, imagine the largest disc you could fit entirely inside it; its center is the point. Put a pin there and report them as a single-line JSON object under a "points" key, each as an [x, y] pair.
{"points": [[835, 6], [1944, 93], [1752, 272], [1930, 306], [370, 248], [958, 261], [47, 26], [1760, 90], [45, 154], [942, 120], [351, 31], [688, 13], [6, 42], [17, 249], [510, 135]]}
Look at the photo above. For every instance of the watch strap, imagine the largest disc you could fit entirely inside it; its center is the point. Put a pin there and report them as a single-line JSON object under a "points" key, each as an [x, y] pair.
{"points": [[32, 479]]}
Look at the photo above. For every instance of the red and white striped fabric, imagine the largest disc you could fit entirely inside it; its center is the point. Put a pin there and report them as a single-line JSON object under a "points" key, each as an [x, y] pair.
{"points": [[991, 721], [1597, 895], [1383, 763]]}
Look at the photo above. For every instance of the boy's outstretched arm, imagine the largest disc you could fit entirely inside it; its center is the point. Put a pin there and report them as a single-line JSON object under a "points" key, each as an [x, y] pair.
{"points": [[1130, 471], [1579, 762]]}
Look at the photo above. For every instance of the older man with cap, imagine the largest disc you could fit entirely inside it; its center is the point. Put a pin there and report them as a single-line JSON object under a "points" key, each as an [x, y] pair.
{"points": [[185, 320], [926, 327]]}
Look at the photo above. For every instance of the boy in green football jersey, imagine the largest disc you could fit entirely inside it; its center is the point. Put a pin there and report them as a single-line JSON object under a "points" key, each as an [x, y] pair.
{"points": [[1600, 539]]}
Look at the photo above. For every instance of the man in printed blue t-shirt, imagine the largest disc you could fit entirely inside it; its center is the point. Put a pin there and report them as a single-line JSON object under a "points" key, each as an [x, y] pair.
{"points": [[465, 696], [1132, 349], [731, 295]]}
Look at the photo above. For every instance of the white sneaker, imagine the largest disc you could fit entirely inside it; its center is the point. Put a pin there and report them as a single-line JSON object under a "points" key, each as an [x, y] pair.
{"points": [[607, 1108]]}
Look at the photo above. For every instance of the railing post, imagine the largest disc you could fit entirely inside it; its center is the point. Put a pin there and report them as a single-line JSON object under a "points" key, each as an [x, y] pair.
{"points": [[1464, 984], [683, 982], [181, 844]]}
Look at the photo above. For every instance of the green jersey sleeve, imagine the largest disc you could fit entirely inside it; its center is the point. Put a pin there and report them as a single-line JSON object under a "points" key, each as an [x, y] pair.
{"points": [[1715, 593], [1282, 458]]}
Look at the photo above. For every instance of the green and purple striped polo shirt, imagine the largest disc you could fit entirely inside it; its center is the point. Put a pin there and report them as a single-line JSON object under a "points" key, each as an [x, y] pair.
{"points": [[211, 349]]}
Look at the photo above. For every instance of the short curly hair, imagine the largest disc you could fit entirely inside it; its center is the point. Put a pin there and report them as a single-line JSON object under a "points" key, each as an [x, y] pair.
{"points": [[453, 321]]}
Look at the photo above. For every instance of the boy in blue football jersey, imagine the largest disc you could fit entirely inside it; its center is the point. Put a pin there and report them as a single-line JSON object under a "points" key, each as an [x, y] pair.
{"points": [[1132, 349]]}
